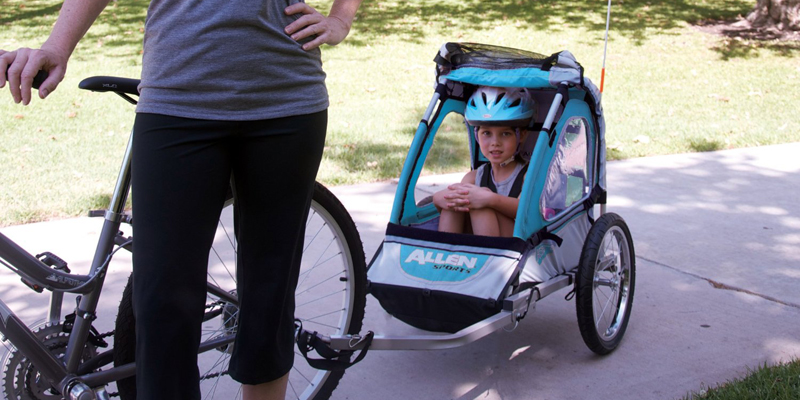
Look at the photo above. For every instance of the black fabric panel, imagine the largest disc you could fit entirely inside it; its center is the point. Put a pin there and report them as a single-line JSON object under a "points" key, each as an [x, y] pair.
{"points": [[516, 188], [433, 310], [504, 243], [486, 180]]}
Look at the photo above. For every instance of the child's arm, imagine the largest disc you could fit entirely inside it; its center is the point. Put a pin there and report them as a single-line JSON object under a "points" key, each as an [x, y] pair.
{"points": [[451, 198], [505, 205], [476, 197]]}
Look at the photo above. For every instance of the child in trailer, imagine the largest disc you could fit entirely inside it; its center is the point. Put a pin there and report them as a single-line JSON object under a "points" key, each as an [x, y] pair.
{"points": [[485, 202]]}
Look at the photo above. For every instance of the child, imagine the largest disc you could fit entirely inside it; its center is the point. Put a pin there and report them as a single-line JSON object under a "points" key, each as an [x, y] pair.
{"points": [[488, 194]]}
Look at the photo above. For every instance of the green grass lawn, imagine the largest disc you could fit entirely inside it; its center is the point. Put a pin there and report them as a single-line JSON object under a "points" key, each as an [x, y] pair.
{"points": [[780, 382], [669, 88]]}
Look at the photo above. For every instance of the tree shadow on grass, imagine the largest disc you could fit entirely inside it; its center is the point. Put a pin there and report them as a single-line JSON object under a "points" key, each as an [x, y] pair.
{"points": [[740, 40], [704, 145], [636, 19], [118, 26], [413, 20], [28, 14]]}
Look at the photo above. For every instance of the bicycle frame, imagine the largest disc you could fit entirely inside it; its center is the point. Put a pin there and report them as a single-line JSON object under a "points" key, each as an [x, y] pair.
{"points": [[63, 375], [69, 376]]}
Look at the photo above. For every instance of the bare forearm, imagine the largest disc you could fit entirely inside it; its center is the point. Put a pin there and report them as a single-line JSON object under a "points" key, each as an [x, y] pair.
{"points": [[73, 22], [345, 10], [505, 205]]}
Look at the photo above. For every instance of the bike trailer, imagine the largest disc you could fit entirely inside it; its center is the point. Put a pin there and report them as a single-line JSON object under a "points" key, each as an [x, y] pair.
{"points": [[445, 282]]}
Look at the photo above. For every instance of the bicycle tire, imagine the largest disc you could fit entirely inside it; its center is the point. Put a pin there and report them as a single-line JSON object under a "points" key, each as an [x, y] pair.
{"points": [[329, 227], [605, 284]]}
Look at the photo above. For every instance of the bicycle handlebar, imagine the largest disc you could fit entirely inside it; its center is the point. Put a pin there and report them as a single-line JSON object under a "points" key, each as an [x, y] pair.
{"points": [[37, 80]]}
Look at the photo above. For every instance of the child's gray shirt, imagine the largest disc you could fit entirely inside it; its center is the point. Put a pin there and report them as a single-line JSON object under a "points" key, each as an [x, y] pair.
{"points": [[504, 187]]}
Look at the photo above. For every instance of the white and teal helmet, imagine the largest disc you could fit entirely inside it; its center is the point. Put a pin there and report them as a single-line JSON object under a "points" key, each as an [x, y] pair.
{"points": [[499, 106]]}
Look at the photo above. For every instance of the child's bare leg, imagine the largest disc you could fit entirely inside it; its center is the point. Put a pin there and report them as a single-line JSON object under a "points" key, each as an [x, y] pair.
{"points": [[484, 222], [451, 221], [506, 225]]}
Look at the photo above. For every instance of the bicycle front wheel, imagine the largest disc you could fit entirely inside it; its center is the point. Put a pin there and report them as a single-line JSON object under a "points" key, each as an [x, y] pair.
{"points": [[330, 299]]}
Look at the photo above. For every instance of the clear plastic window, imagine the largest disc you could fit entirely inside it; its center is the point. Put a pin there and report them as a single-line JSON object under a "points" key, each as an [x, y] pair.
{"points": [[448, 159], [568, 176]]}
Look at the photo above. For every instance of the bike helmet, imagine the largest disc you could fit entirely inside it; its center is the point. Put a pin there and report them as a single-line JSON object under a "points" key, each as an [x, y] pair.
{"points": [[493, 106]]}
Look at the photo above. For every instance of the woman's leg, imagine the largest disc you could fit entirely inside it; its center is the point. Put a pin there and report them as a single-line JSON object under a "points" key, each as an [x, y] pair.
{"points": [[275, 163], [180, 176], [274, 390]]}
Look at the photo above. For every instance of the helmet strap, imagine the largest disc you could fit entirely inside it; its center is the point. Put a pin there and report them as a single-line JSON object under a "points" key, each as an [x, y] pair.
{"points": [[509, 161]]}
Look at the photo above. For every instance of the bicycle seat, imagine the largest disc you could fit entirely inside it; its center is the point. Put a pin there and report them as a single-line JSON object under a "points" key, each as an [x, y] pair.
{"points": [[110, 84]]}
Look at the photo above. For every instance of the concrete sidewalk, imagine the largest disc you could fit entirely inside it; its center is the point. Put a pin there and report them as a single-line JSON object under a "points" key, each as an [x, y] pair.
{"points": [[717, 238]]}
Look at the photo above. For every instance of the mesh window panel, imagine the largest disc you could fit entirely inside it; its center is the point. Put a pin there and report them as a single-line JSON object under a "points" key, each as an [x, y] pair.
{"points": [[491, 57]]}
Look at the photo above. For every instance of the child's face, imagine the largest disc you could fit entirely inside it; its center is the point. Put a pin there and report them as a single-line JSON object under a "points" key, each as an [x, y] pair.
{"points": [[498, 143]]}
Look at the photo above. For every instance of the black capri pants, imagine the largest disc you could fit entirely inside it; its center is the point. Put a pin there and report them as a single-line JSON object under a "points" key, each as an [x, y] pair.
{"points": [[181, 169]]}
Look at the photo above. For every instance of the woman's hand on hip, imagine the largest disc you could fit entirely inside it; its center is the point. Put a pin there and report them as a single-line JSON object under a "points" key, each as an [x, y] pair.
{"points": [[329, 30]]}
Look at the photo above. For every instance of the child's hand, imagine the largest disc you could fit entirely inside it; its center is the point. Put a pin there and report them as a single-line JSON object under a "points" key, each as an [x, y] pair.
{"points": [[450, 200], [466, 196]]}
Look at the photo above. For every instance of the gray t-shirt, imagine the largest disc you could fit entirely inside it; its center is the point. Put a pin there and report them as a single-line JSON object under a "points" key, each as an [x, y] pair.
{"points": [[227, 60]]}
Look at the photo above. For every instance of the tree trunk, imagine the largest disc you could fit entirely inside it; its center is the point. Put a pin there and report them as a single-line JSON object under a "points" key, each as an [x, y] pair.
{"points": [[781, 14]]}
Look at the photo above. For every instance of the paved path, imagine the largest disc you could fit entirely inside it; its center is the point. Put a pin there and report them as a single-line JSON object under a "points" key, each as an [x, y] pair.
{"points": [[717, 239]]}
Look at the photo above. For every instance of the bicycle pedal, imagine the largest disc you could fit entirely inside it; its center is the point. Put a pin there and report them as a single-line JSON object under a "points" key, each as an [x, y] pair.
{"points": [[50, 260], [53, 260]]}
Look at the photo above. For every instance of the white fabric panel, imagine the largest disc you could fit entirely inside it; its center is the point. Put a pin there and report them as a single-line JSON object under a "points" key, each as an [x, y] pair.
{"points": [[478, 272], [548, 259]]}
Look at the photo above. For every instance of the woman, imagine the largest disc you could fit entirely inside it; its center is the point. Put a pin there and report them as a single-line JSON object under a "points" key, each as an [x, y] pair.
{"points": [[230, 90]]}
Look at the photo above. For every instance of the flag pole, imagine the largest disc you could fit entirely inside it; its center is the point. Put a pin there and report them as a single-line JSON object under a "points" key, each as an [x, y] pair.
{"points": [[605, 48]]}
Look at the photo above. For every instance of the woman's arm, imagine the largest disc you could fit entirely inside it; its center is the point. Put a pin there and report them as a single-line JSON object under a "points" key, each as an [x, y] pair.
{"points": [[23, 64], [330, 30]]}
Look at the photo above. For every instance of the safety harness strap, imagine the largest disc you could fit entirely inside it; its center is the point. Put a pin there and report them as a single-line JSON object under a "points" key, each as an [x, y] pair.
{"points": [[543, 235], [516, 187]]}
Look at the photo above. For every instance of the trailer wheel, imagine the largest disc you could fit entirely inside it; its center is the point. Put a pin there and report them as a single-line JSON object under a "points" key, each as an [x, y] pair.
{"points": [[604, 285]]}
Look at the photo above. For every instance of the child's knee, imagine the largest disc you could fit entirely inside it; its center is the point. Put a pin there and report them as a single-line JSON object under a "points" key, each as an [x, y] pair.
{"points": [[485, 222]]}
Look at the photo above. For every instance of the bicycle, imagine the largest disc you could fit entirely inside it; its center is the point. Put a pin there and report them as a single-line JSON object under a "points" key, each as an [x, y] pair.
{"points": [[68, 358]]}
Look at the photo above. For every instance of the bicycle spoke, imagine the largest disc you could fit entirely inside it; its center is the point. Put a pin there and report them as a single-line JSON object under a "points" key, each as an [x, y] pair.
{"points": [[603, 312], [321, 297], [291, 386], [231, 238], [301, 372], [316, 263], [305, 290], [305, 275], [311, 241]]}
